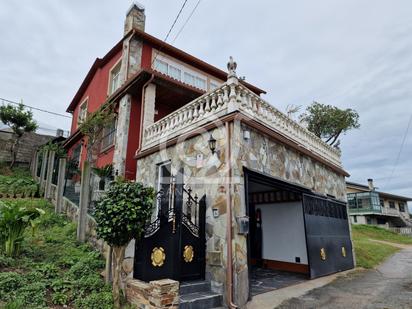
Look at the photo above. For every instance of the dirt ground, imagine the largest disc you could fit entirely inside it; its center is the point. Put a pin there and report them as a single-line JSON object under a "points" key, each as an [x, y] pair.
{"points": [[387, 287]]}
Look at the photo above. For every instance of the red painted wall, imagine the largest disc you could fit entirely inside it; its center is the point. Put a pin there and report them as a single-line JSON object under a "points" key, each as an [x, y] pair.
{"points": [[97, 90]]}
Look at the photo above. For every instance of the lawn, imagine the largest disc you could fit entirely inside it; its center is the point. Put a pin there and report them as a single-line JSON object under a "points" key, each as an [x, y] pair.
{"points": [[368, 253], [52, 269]]}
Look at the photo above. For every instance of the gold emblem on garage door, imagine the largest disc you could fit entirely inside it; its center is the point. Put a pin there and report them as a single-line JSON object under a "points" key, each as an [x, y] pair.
{"points": [[158, 256], [343, 252], [323, 254], [188, 253]]}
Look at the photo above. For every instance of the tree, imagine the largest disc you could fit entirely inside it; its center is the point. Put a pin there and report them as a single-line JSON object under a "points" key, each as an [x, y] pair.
{"points": [[121, 215], [329, 122], [20, 121]]}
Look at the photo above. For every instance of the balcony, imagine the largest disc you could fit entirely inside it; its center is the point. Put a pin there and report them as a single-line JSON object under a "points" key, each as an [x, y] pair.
{"points": [[368, 203], [230, 97]]}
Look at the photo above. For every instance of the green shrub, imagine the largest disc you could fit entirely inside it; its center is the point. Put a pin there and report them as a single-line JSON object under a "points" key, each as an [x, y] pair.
{"points": [[6, 261], [33, 294], [88, 264], [88, 284], [60, 299], [61, 285], [15, 304], [102, 300], [48, 270], [10, 282]]}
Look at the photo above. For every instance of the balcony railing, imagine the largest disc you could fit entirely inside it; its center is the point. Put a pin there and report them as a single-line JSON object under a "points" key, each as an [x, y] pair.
{"points": [[229, 97]]}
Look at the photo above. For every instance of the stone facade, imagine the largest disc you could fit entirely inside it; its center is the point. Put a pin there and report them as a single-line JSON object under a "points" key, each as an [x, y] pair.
{"points": [[154, 294], [206, 174]]}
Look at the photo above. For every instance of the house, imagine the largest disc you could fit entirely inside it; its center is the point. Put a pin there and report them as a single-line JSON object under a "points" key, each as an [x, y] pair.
{"points": [[370, 206], [244, 193]]}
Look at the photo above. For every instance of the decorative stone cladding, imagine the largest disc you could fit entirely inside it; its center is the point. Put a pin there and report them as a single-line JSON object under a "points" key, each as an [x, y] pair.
{"points": [[206, 174], [154, 294]]}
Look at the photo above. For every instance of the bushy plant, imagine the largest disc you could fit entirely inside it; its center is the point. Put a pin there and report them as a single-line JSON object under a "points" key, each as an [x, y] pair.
{"points": [[33, 294], [88, 264], [10, 282], [60, 299], [121, 215], [14, 219], [102, 300]]}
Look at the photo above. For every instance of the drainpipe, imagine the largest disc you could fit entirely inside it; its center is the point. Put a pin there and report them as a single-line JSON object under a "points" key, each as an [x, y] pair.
{"points": [[142, 113], [229, 276]]}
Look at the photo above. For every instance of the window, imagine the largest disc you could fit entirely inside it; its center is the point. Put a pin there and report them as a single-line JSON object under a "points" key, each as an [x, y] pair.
{"points": [[213, 86], [175, 72], [402, 206], [355, 219], [82, 113], [161, 66], [163, 186], [392, 204], [381, 203], [115, 81], [200, 83], [109, 134], [190, 79], [368, 220]]}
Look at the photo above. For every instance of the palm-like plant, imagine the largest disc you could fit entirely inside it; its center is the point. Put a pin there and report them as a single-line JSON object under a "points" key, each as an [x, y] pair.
{"points": [[14, 220]]}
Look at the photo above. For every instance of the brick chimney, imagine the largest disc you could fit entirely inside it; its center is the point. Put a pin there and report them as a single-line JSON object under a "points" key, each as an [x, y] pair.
{"points": [[135, 18], [370, 184]]}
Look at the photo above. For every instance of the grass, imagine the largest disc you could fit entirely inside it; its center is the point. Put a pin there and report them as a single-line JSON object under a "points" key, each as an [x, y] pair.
{"points": [[368, 253], [53, 270]]}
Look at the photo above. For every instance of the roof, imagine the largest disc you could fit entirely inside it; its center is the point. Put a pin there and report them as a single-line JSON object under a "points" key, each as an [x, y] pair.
{"points": [[97, 64], [383, 194], [160, 45]]}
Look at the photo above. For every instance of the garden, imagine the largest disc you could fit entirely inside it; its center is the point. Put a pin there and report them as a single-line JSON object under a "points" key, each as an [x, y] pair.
{"points": [[44, 266]]}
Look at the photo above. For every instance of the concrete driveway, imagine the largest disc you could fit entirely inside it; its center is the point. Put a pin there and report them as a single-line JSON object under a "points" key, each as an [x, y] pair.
{"points": [[387, 287]]}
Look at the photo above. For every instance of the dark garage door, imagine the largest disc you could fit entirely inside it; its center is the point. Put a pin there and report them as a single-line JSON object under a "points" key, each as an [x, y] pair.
{"points": [[327, 236]]}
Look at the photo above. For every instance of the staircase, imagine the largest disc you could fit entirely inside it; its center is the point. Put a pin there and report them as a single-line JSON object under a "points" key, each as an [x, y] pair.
{"points": [[198, 295]]}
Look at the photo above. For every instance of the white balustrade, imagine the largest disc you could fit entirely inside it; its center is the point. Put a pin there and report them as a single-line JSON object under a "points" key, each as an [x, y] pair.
{"points": [[213, 105]]}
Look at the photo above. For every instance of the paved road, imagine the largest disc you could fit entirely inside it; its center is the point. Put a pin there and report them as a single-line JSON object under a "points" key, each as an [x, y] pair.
{"points": [[387, 287]]}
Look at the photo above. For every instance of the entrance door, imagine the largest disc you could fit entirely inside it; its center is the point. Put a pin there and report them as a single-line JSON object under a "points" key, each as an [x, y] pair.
{"points": [[327, 235]]}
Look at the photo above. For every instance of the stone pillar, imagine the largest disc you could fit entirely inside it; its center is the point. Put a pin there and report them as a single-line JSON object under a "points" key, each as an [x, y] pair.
{"points": [[149, 105], [84, 201], [122, 135], [50, 165], [60, 184], [135, 18], [43, 170]]}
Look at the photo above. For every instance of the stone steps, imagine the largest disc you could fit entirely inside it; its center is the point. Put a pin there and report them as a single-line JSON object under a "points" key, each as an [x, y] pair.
{"points": [[198, 295]]}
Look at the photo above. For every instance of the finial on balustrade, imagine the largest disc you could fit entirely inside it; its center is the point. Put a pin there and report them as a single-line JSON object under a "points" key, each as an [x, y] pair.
{"points": [[231, 75]]}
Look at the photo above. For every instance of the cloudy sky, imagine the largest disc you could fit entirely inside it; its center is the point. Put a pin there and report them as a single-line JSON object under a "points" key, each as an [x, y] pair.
{"points": [[347, 53]]}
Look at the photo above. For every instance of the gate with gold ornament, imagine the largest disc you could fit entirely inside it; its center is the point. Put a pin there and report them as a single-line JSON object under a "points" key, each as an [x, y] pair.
{"points": [[174, 245]]}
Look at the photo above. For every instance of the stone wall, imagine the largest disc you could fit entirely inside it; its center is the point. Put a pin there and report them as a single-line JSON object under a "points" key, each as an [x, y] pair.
{"points": [[27, 147], [205, 173]]}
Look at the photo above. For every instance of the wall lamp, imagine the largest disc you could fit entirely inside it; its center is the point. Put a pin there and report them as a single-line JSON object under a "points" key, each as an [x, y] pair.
{"points": [[212, 144]]}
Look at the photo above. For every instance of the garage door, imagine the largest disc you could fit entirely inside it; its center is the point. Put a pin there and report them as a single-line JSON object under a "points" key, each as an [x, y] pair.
{"points": [[327, 236]]}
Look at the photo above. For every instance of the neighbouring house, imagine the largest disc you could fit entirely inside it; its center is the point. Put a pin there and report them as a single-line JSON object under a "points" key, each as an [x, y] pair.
{"points": [[245, 195], [27, 146], [367, 205]]}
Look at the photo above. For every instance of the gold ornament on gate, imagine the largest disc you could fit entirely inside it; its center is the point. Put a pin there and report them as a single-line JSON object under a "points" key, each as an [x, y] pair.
{"points": [[158, 256], [323, 254], [343, 252], [188, 253]]}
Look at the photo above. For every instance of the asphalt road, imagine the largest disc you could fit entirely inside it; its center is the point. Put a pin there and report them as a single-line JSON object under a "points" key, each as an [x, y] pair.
{"points": [[387, 287]]}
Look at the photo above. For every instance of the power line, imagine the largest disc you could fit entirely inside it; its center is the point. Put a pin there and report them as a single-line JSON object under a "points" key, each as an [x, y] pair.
{"points": [[187, 20], [174, 23], [400, 151], [35, 108], [170, 30]]}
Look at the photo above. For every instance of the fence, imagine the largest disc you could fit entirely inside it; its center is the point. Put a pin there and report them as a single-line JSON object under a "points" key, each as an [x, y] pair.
{"points": [[402, 230]]}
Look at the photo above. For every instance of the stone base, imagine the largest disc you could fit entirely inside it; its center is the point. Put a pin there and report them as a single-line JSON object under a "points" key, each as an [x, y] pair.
{"points": [[154, 294]]}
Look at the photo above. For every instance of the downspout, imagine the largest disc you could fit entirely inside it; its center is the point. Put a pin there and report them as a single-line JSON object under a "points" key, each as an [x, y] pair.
{"points": [[229, 276], [142, 113]]}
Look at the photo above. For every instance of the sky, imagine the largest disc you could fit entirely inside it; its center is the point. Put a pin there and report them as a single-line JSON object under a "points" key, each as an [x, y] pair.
{"points": [[348, 53]]}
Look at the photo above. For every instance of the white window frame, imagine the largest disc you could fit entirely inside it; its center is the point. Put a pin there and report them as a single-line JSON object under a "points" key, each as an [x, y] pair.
{"points": [[80, 117], [116, 67]]}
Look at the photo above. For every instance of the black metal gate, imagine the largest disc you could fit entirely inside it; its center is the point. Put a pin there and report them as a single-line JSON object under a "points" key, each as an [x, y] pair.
{"points": [[174, 244], [328, 240]]}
